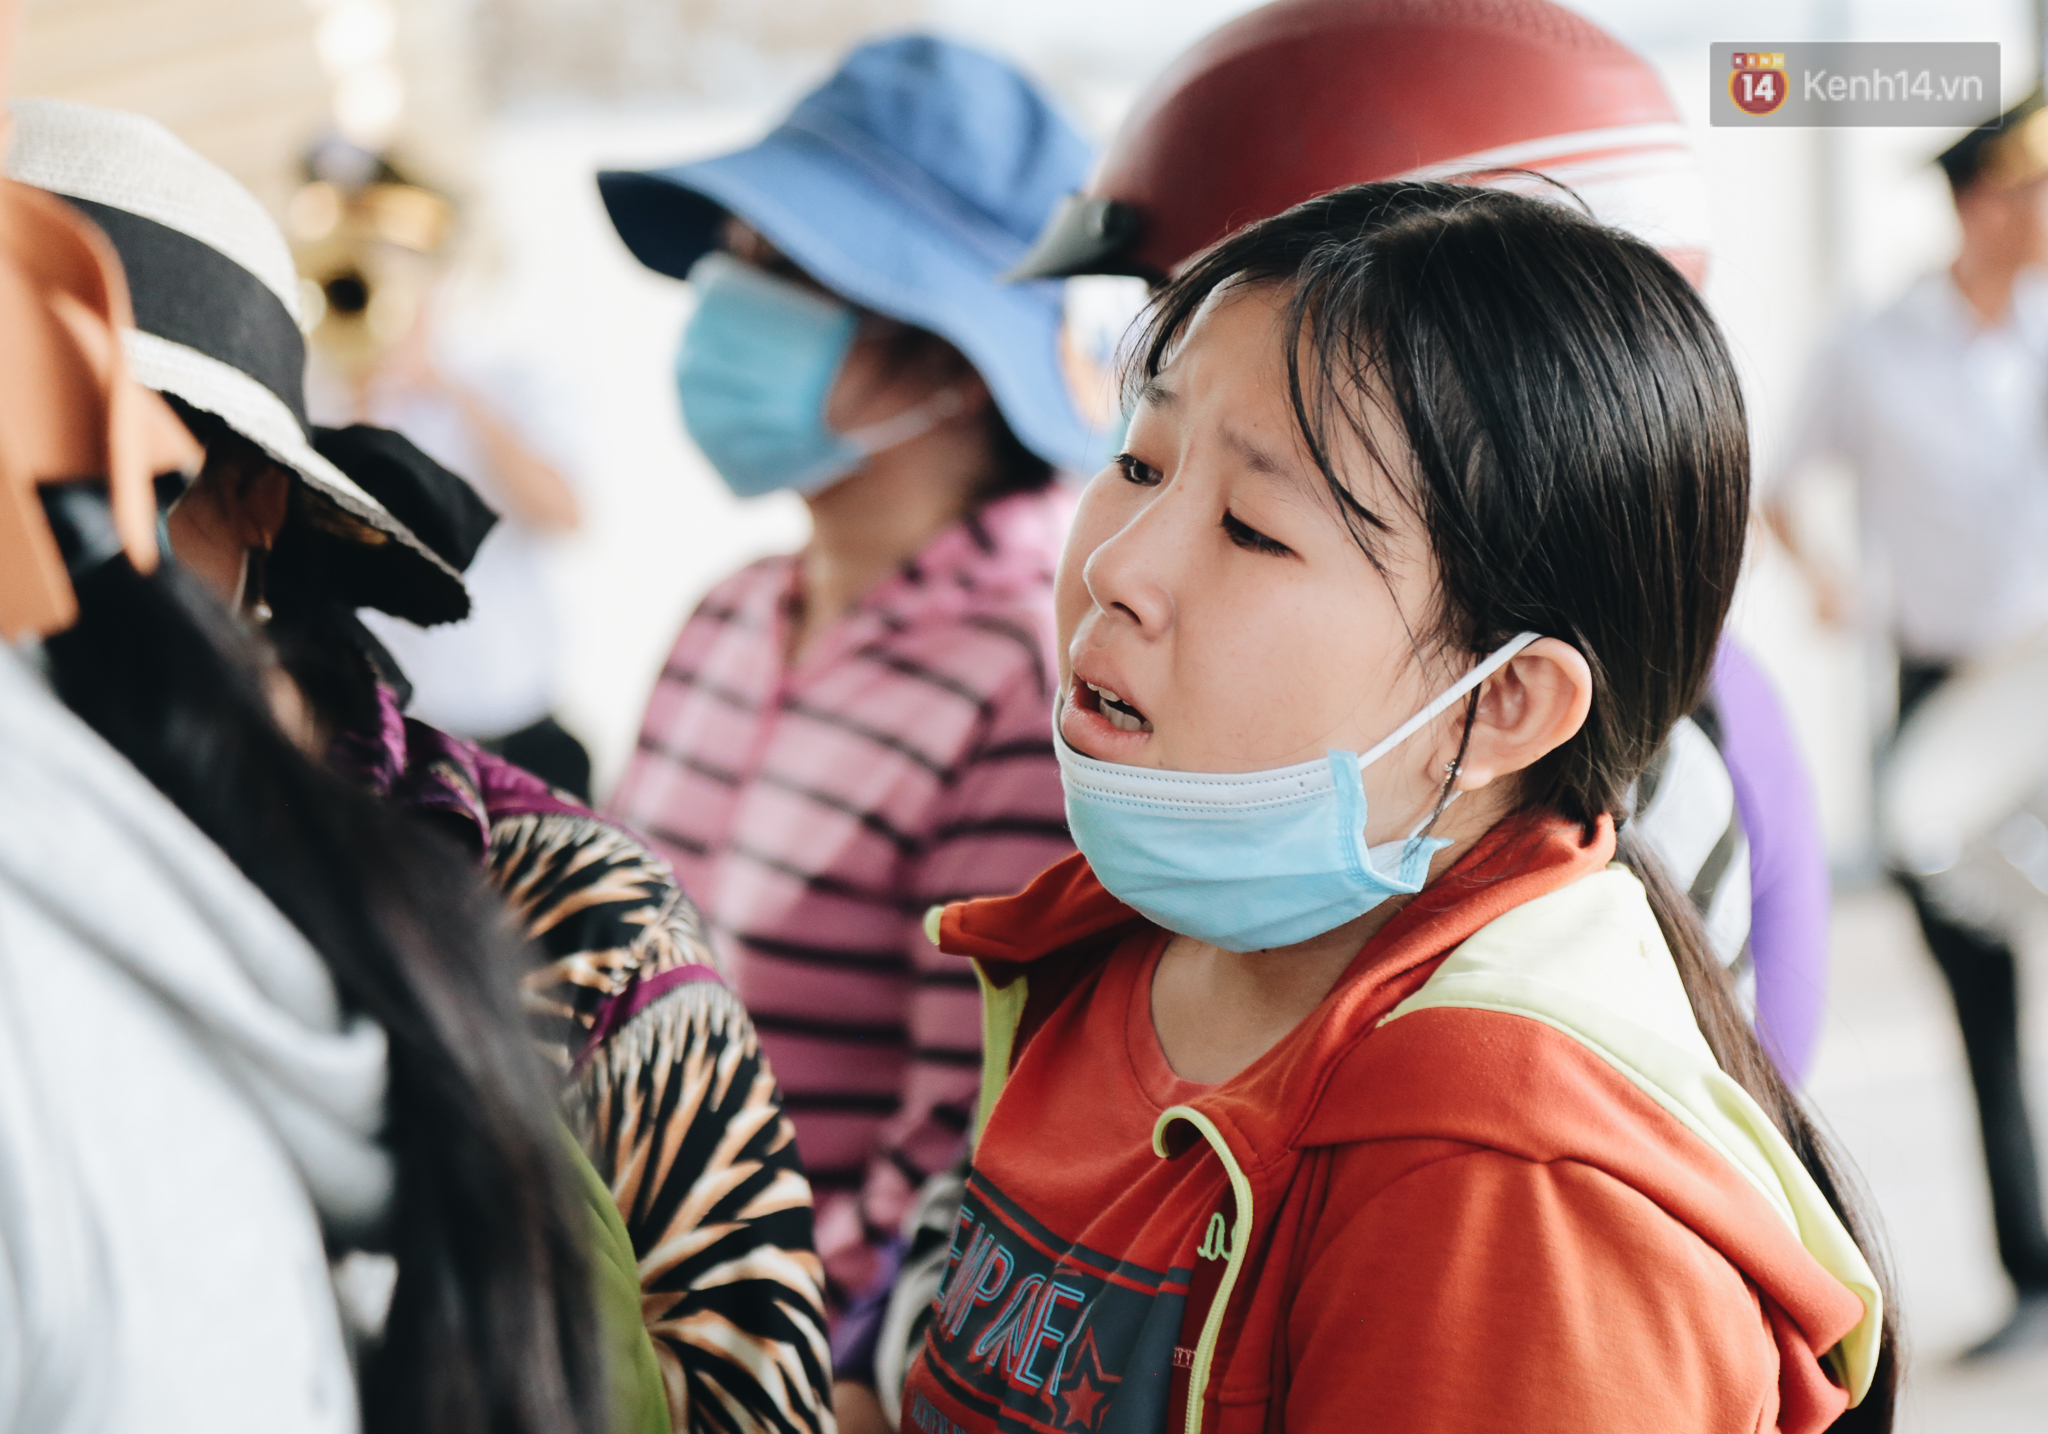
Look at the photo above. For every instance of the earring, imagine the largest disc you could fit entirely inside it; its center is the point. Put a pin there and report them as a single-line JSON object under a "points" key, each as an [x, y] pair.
{"points": [[254, 600]]}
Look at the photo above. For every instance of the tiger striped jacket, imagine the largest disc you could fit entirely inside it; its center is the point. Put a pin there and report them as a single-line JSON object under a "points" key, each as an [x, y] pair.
{"points": [[664, 1079]]}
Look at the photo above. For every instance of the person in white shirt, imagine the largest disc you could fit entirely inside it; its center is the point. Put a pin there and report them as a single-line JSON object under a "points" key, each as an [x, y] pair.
{"points": [[1938, 407]]}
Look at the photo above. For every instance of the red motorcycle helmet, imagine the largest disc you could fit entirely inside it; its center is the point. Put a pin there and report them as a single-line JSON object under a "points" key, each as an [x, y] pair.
{"points": [[1301, 97]]}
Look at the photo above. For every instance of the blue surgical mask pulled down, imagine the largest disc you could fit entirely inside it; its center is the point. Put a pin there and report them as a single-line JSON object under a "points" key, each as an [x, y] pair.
{"points": [[1248, 861], [755, 374]]}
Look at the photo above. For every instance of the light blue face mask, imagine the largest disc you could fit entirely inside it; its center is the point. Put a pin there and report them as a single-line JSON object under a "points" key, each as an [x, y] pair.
{"points": [[755, 373], [1252, 860]]}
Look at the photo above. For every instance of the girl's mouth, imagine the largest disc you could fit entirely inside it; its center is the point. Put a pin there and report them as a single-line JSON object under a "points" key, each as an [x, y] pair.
{"points": [[1117, 712]]}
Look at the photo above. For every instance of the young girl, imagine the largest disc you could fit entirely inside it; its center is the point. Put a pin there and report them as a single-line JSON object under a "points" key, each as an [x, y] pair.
{"points": [[1345, 1078]]}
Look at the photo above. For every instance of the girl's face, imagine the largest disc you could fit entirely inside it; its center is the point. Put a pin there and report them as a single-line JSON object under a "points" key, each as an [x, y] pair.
{"points": [[1215, 612]]}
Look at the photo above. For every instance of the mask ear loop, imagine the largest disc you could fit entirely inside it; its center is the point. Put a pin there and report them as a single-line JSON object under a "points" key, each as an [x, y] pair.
{"points": [[1448, 793], [914, 422], [1468, 683], [1471, 683]]}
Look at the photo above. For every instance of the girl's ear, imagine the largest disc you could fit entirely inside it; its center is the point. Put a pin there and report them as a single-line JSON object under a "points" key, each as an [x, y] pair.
{"points": [[1535, 704]]}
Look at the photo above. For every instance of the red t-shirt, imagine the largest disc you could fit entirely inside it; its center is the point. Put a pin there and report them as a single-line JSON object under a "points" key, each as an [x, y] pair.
{"points": [[1015, 1288]]}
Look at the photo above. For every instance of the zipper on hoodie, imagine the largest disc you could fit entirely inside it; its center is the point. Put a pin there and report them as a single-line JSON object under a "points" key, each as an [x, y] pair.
{"points": [[1240, 1244], [1002, 1013]]}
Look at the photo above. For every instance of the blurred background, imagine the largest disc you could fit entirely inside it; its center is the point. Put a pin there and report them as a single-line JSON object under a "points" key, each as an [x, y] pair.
{"points": [[509, 106]]}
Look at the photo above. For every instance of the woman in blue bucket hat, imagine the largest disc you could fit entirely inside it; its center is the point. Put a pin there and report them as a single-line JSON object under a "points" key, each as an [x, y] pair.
{"points": [[846, 735]]}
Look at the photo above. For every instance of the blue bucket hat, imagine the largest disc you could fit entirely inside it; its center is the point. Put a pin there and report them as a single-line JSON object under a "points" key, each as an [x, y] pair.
{"points": [[908, 183]]}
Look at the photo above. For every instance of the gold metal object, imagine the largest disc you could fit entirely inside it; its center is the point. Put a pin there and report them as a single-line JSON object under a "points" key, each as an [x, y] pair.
{"points": [[368, 257]]}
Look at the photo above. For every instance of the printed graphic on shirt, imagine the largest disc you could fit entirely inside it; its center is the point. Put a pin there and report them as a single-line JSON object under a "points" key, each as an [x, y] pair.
{"points": [[1039, 1336]]}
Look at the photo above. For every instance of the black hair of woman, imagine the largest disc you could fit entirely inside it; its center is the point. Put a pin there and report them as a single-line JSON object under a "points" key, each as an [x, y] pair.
{"points": [[1493, 334], [492, 1324]]}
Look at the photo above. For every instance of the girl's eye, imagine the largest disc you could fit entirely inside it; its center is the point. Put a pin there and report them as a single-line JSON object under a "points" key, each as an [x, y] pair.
{"points": [[1252, 540], [1134, 471]]}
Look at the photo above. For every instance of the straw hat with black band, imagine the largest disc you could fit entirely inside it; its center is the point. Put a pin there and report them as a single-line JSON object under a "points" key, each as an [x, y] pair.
{"points": [[215, 297]]}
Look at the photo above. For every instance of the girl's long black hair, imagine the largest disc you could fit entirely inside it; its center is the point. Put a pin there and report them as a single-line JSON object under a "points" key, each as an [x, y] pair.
{"points": [[1578, 452], [492, 1324]]}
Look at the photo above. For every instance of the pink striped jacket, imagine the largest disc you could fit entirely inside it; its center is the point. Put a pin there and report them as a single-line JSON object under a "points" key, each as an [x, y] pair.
{"points": [[814, 813]]}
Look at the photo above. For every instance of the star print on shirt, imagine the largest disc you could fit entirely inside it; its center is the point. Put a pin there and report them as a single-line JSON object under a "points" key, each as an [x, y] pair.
{"points": [[1081, 1402], [1033, 1335], [1089, 1391]]}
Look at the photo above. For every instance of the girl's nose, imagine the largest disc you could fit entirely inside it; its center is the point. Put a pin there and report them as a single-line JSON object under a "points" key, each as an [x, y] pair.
{"points": [[1131, 575]]}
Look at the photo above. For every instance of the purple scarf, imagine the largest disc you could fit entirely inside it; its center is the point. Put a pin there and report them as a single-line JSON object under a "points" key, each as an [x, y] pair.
{"points": [[423, 769]]}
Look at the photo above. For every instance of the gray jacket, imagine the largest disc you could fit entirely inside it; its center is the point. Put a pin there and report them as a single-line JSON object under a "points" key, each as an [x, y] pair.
{"points": [[186, 1115]]}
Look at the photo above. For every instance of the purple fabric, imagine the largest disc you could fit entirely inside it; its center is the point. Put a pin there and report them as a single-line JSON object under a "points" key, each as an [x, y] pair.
{"points": [[858, 1334], [510, 791], [644, 992], [425, 770], [1788, 865]]}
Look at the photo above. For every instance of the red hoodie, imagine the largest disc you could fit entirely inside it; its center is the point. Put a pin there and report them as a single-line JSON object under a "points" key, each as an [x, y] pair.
{"points": [[1466, 1213]]}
